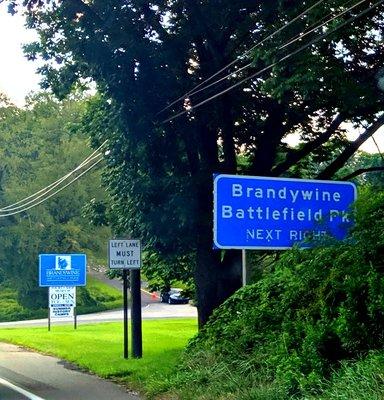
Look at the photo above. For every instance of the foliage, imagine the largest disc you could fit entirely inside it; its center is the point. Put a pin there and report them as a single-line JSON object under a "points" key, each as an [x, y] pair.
{"points": [[144, 55], [360, 380], [360, 161], [38, 145], [309, 312], [95, 297]]}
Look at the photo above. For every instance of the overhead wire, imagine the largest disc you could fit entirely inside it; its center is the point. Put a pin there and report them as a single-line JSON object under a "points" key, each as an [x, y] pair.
{"points": [[270, 66], [57, 182], [55, 192], [192, 91], [292, 40], [20, 205], [44, 193], [12, 210], [30, 199]]}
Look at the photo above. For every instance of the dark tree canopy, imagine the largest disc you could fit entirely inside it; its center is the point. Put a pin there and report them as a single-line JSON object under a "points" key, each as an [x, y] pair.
{"points": [[144, 55]]}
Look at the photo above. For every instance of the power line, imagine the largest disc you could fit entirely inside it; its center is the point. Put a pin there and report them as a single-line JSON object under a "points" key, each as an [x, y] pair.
{"points": [[20, 206], [49, 188], [270, 66], [57, 191], [302, 35], [45, 192], [193, 91], [294, 39], [22, 203]]}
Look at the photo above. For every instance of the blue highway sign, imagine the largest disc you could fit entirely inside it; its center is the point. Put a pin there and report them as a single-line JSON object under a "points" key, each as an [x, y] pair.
{"points": [[253, 212], [62, 269]]}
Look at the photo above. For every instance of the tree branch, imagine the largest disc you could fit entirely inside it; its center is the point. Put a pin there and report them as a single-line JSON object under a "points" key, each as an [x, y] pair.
{"points": [[339, 162], [296, 155], [361, 171]]}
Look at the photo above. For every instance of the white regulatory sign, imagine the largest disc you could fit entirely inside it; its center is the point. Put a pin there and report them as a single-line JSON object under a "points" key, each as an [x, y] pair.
{"points": [[62, 301], [124, 254]]}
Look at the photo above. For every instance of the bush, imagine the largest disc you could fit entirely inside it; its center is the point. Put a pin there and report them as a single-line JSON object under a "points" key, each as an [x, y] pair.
{"points": [[309, 312]]}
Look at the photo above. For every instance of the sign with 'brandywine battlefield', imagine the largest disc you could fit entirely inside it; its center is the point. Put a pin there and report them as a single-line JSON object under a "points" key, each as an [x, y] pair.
{"points": [[275, 213], [62, 269]]}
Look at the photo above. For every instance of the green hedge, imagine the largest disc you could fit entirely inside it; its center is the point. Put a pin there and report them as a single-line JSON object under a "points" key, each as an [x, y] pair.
{"points": [[310, 312]]}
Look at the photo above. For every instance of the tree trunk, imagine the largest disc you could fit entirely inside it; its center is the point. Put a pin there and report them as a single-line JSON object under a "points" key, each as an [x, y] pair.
{"points": [[269, 141], [215, 279]]}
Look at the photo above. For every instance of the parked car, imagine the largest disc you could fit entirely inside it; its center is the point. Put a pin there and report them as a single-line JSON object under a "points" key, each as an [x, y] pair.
{"points": [[174, 296]]}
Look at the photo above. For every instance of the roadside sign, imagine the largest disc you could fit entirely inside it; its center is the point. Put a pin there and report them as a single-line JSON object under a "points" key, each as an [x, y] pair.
{"points": [[62, 301], [62, 269], [252, 212], [124, 254]]}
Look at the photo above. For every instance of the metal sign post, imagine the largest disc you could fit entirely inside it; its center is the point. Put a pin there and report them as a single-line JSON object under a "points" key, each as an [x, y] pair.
{"points": [[137, 342], [49, 319], [125, 306], [244, 267], [126, 255]]}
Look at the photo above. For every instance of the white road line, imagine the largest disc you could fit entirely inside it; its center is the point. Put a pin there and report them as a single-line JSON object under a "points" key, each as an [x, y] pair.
{"points": [[24, 392]]}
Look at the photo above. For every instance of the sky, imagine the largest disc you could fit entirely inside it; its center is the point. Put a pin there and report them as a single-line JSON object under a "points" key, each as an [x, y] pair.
{"points": [[18, 76]]}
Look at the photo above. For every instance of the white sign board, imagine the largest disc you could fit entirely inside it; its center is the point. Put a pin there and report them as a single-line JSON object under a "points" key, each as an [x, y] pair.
{"points": [[124, 254], [62, 301]]}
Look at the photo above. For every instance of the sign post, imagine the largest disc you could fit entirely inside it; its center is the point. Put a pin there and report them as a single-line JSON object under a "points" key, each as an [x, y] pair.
{"points": [[125, 306], [137, 345], [126, 255], [61, 273]]}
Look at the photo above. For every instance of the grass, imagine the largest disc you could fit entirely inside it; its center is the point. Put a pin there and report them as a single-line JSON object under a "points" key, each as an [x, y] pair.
{"points": [[99, 348], [358, 380], [104, 297], [96, 296]]}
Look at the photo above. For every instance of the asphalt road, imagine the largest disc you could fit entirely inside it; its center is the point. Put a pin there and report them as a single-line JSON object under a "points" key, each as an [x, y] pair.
{"points": [[150, 311], [27, 375]]}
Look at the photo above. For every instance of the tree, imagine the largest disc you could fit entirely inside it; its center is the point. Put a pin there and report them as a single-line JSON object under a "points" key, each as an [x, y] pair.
{"points": [[38, 145], [144, 55]]}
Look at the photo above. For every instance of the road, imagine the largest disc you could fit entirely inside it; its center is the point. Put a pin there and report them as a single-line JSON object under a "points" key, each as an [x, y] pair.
{"points": [[27, 375], [151, 311]]}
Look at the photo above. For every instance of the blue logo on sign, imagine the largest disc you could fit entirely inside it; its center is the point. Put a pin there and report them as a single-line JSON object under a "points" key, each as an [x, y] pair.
{"points": [[63, 263], [275, 213], [62, 269]]}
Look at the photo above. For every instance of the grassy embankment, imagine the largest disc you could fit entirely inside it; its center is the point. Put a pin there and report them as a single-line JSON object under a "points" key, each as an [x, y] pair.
{"points": [[99, 348], [96, 296]]}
